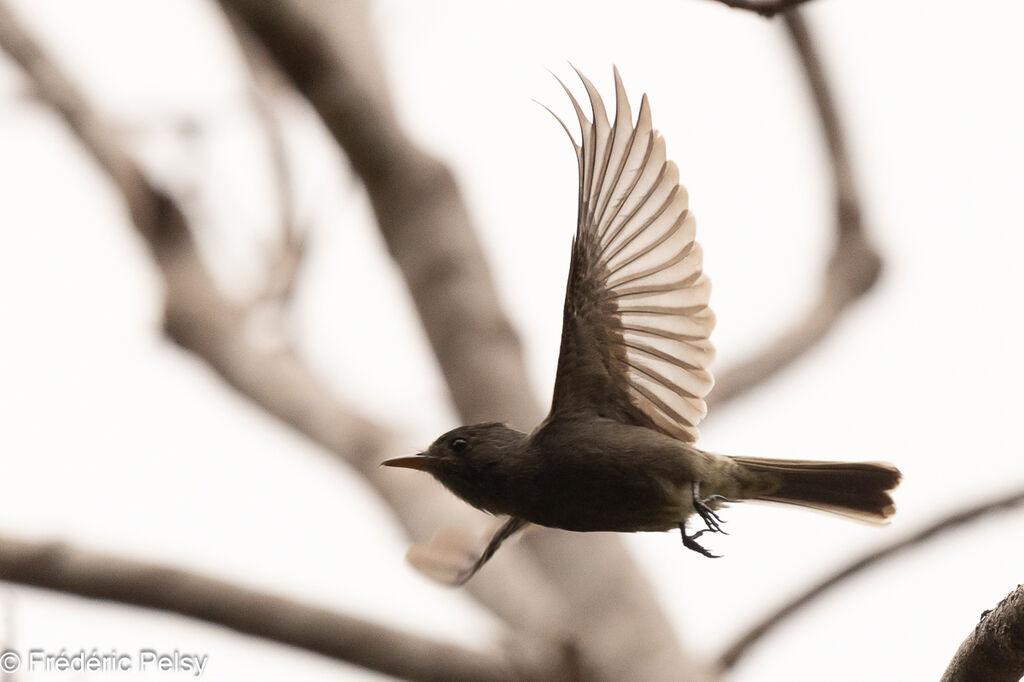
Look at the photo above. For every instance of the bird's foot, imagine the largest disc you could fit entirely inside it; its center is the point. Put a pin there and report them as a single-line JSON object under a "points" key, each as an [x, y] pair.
{"points": [[690, 542], [712, 520]]}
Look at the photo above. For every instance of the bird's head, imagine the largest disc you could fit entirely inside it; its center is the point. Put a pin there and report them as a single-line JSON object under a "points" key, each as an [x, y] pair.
{"points": [[471, 461]]}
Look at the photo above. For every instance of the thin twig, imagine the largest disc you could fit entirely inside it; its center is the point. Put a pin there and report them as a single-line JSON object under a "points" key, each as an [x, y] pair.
{"points": [[854, 266], [994, 651], [766, 8], [56, 566], [287, 255], [743, 644], [58, 93]]}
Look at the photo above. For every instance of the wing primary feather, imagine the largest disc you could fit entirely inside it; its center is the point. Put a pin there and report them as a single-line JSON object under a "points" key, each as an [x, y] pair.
{"points": [[663, 310], [653, 245], [646, 290], [685, 433], [643, 119], [599, 216], [635, 278], [662, 405], [628, 192], [623, 112], [584, 123], [653, 270], [596, 103], [600, 124], [664, 333], [661, 355], [623, 124], [647, 223], [586, 130], [572, 139], [643, 128], [656, 376], [632, 214]]}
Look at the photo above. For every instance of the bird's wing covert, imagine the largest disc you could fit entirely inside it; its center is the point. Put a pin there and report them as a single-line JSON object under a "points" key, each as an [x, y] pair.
{"points": [[636, 323]]}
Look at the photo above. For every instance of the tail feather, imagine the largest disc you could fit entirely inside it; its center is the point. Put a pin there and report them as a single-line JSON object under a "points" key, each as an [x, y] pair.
{"points": [[859, 490]]}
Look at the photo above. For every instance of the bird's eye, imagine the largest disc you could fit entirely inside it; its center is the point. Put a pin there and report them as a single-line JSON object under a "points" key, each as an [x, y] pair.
{"points": [[459, 444]]}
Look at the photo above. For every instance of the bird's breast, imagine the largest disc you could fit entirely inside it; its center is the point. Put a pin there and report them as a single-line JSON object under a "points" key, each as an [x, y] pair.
{"points": [[586, 477]]}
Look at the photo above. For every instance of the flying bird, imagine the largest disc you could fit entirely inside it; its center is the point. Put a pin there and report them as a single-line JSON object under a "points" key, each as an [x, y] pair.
{"points": [[616, 452]]}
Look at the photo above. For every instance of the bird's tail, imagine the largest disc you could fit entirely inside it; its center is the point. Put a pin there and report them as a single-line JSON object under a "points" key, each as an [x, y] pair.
{"points": [[859, 490]]}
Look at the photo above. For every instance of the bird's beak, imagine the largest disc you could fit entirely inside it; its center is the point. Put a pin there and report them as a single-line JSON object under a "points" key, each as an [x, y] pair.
{"points": [[419, 461]]}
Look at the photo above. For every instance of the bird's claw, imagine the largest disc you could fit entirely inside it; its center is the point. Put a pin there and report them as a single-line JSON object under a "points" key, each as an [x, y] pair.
{"points": [[711, 519], [690, 542]]}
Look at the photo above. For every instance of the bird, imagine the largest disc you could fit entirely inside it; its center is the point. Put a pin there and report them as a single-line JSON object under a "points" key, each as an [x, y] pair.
{"points": [[617, 450]]}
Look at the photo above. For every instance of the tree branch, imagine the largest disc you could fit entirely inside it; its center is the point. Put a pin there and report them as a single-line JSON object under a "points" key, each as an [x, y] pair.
{"points": [[766, 8], [994, 652], [54, 88], [286, 256], [854, 266], [55, 566], [743, 644]]}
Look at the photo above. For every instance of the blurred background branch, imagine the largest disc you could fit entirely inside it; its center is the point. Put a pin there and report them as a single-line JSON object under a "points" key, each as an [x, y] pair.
{"points": [[56, 566], [286, 254], [734, 652], [571, 605], [419, 208], [766, 8], [855, 264], [202, 320]]}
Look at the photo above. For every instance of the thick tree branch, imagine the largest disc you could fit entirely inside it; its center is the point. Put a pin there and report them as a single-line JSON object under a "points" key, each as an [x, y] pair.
{"points": [[377, 647], [994, 652], [743, 644], [322, 47], [854, 266]]}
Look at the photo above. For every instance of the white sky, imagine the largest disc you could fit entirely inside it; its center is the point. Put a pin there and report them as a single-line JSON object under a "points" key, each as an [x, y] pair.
{"points": [[117, 441]]}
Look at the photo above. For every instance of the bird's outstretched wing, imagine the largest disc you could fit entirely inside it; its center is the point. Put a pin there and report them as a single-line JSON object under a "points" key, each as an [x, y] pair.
{"points": [[635, 331], [452, 557]]}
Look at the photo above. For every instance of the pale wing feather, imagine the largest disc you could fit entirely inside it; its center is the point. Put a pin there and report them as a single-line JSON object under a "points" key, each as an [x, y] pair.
{"points": [[634, 218]]}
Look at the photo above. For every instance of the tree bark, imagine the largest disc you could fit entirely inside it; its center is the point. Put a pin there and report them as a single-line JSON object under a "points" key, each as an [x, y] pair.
{"points": [[994, 652]]}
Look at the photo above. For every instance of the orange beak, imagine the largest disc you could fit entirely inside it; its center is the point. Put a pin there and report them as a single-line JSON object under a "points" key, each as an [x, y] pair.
{"points": [[421, 462]]}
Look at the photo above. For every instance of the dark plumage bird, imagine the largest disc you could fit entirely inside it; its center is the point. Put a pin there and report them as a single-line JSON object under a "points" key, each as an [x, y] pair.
{"points": [[616, 452]]}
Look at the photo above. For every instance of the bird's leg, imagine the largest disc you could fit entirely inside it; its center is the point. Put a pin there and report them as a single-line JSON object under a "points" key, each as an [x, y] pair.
{"points": [[690, 542], [711, 519], [504, 533]]}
